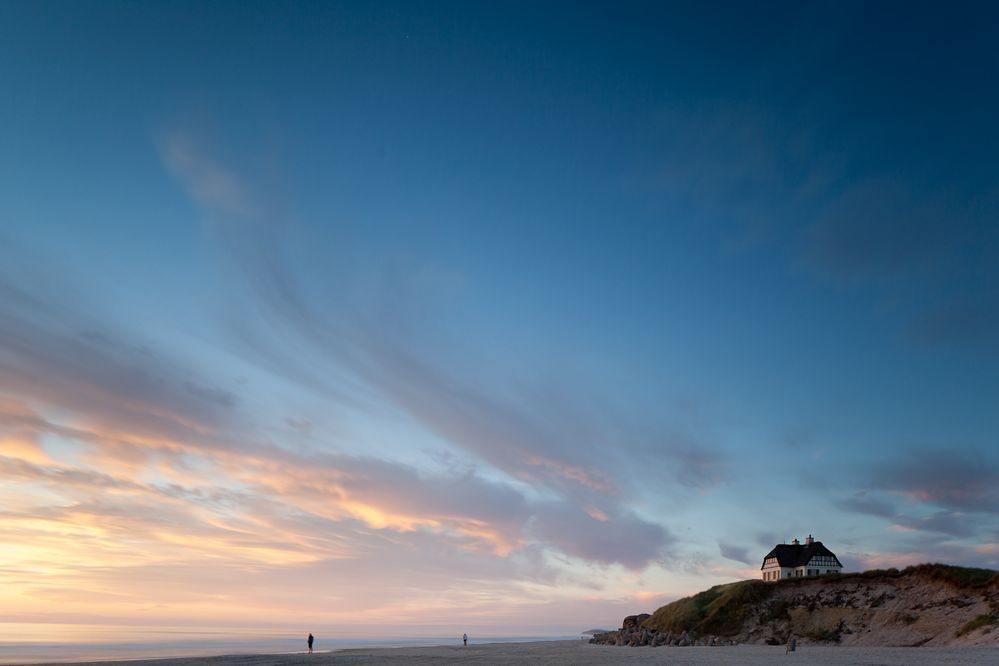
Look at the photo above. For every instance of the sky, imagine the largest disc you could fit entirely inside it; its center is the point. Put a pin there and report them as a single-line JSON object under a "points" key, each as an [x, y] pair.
{"points": [[492, 317]]}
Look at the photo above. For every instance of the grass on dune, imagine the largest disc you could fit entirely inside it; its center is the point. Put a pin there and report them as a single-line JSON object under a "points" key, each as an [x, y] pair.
{"points": [[719, 611], [722, 609]]}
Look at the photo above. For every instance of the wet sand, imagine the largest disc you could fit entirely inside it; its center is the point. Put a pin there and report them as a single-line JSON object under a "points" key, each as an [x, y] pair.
{"points": [[579, 653]]}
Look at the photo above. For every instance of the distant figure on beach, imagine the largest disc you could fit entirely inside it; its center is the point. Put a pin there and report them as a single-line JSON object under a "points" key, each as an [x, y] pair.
{"points": [[311, 638], [464, 639]]}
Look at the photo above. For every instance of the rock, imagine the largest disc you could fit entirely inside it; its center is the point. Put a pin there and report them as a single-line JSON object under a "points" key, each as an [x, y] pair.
{"points": [[634, 620], [605, 638]]}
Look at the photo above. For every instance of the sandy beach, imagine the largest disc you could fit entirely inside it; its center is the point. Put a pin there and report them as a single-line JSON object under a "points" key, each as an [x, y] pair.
{"points": [[579, 653]]}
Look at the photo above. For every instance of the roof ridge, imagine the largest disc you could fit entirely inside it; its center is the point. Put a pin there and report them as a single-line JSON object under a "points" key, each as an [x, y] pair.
{"points": [[799, 554]]}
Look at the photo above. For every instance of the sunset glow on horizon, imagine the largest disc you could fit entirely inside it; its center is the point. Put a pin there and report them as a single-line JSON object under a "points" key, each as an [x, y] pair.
{"points": [[509, 318]]}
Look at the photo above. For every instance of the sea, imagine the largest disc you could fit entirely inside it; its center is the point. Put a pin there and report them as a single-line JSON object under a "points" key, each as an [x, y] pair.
{"points": [[32, 643]]}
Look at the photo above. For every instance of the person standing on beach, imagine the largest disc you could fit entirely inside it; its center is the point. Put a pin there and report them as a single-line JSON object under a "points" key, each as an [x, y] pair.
{"points": [[311, 638], [464, 639]]}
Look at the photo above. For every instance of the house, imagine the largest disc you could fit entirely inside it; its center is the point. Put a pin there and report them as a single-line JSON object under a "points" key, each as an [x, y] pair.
{"points": [[796, 560]]}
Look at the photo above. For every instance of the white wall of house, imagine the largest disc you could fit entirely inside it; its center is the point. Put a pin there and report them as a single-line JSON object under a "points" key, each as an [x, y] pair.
{"points": [[777, 573], [773, 571], [815, 570], [819, 565]]}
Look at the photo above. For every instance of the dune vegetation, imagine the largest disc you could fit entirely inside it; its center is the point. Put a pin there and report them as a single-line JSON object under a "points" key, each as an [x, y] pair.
{"points": [[926, 604]]}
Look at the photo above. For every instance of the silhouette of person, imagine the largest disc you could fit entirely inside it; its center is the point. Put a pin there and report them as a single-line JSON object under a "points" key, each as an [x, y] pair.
{"points": [[464, 639], [311, 638]]}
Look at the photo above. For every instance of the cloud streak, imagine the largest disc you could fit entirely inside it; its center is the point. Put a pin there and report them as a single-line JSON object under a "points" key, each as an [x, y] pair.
{"points": [[541, 440], [118, 445]]}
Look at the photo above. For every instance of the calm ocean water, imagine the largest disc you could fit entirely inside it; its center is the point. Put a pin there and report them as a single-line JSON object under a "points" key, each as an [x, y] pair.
{"points": [[33, 643]]}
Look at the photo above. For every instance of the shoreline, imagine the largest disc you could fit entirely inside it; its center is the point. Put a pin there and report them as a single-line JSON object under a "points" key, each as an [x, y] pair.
{"points": [[581, 653]]}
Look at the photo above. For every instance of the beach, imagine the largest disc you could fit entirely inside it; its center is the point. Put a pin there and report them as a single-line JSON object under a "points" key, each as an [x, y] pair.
{"points": [[580, 653]]}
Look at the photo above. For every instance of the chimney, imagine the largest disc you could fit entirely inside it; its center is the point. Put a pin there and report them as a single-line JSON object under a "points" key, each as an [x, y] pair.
{"points": [[794, 542], [809, 540]]}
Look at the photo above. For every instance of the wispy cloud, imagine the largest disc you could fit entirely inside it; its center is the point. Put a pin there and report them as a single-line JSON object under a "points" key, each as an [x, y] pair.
{"points": [[125, 445], [548, 441], [959, 322], [52, 353], [735, 553], [862, 502], [848, 208], [213, 186], [956, 479], [930, 494]]}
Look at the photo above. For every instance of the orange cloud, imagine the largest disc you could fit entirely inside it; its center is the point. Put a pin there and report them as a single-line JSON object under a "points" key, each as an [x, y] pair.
{"points": [[593, 480]]}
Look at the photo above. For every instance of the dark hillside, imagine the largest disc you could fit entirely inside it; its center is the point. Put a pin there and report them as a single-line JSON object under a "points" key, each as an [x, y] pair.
{"points": [[928, 604]]}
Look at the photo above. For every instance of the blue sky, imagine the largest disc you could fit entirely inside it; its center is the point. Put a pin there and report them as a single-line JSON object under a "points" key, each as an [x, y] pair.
{"points": [[510, 311]]}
